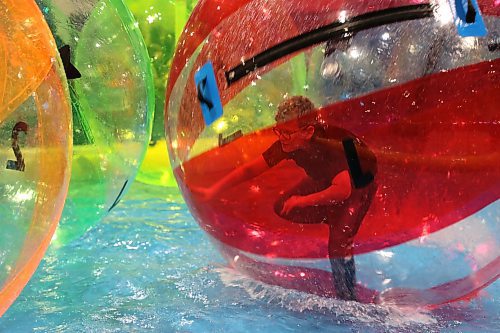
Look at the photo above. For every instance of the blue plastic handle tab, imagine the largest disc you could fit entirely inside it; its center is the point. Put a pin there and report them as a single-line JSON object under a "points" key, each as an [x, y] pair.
{"points": [[208, 93], [468, 18]]}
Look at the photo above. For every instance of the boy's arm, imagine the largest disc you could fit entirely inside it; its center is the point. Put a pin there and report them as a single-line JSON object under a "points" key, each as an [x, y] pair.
{"points": [[245, 172]]}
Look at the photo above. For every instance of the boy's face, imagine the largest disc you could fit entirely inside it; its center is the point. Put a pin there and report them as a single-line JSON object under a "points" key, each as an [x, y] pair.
{"points": [[292, 136]]}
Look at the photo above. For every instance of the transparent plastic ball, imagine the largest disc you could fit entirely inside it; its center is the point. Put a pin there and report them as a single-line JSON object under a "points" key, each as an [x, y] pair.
{"points": [[404, 101], [35, 143], [112, 93], [161, 23]]}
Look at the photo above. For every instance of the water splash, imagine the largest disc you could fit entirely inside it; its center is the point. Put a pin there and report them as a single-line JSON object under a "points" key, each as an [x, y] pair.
{"points": [[390, 317]]}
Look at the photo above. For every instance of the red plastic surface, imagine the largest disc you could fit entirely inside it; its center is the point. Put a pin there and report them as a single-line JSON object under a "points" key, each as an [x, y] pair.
{"points": [[438, 162]]}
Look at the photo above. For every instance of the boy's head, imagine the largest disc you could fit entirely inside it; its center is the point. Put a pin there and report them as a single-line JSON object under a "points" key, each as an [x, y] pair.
{"points": [[294, 124]]}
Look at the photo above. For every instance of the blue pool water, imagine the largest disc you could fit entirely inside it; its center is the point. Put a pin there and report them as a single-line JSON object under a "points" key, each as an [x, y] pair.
{"points": [[149, 268]]}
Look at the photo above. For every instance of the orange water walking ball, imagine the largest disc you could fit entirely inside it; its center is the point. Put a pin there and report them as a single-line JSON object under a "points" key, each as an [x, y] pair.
{"points": [[35, 143]]}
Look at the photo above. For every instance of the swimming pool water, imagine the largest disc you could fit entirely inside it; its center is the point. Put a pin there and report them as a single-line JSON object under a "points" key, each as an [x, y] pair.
{"points": [[149, 268]]}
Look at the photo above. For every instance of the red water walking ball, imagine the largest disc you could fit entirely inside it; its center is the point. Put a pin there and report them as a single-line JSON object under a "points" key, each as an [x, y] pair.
{"points": [[347, 149]]}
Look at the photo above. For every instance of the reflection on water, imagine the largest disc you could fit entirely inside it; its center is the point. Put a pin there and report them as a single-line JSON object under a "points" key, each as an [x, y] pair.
{"points": [[148, 267]]}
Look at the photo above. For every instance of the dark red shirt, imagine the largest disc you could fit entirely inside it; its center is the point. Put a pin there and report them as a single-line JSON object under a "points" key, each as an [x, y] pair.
{"points": [[323, 159]]}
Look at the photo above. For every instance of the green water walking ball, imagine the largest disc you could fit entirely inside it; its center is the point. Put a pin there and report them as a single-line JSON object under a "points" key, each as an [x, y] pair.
{"points": [[111, 88]]}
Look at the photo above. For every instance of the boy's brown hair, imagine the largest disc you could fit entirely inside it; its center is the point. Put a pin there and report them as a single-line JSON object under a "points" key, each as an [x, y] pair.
{"points": [[296, 107]]}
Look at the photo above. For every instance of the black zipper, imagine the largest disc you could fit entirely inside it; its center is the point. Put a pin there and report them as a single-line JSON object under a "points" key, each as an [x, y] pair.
{"points": [[336, 30]]}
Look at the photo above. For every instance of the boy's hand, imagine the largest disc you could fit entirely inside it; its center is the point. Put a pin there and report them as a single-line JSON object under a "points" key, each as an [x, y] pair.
{"points": [[293, 202]]}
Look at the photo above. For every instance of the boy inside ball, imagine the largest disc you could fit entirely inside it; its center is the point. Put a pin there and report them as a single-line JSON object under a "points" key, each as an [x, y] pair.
{"points": [[336, 191]]}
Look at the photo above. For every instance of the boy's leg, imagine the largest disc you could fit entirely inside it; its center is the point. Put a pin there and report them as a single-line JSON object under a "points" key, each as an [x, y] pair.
{"points": [[340, 251], [344, 226], [344, 278]]}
